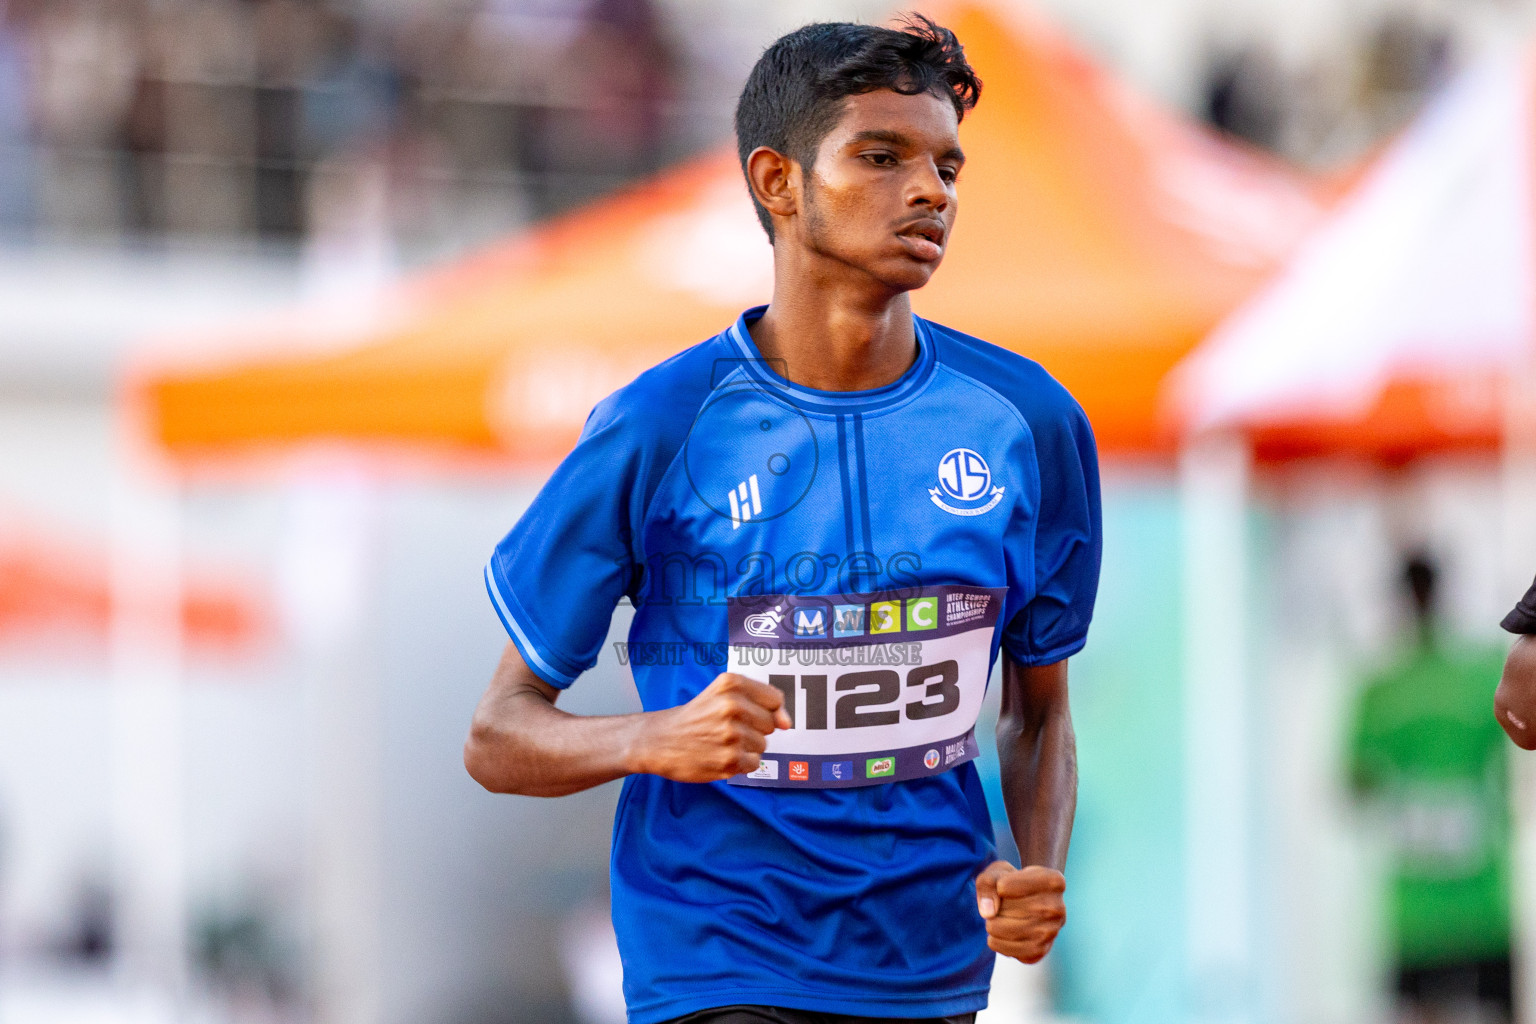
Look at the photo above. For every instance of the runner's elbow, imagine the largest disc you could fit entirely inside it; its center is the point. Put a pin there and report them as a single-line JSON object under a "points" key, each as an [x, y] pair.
{"points": [[486, 761]]}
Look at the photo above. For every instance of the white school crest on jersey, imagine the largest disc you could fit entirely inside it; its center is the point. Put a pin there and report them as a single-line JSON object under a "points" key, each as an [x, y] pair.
{"points": [[965, 480]]}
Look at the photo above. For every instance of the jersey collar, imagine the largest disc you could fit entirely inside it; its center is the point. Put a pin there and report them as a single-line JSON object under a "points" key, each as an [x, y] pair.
{"points": [[833, 402]]}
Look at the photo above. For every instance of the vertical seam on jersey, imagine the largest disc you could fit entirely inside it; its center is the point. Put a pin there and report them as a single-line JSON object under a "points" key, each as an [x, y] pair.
{"points": [[858, 448], [638, 542], [842, 469]]}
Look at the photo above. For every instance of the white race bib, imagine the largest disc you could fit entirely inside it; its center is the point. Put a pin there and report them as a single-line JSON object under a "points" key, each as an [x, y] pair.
{"points": [[881, 687]]}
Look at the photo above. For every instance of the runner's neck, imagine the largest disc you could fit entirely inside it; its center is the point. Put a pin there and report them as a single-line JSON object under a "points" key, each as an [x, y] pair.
{"points": [[820, 342]]}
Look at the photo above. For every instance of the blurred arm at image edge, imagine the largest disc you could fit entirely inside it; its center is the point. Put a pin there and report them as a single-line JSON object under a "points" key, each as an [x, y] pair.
{"points": [[1515, 702]]}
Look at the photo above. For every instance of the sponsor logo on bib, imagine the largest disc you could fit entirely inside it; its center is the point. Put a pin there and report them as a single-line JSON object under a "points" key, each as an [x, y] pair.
{"points": [[923, 613], [931, 759], [848, 619], [810, 622], [768, 769], [879, 767], [799, 771], [764, 624], [961, 607], [837, 771], [885, 617]]}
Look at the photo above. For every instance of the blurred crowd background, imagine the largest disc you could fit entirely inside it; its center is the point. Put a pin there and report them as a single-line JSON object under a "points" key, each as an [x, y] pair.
{"points": [[267, 822], [292, 120], [427, 127]]}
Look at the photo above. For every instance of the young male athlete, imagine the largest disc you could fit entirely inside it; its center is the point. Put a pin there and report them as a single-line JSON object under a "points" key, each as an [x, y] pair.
{"points": [[830, 518]]}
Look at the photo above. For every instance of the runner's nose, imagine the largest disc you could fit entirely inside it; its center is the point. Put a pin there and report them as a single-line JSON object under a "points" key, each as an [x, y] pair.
{"points": [[927, 187]]}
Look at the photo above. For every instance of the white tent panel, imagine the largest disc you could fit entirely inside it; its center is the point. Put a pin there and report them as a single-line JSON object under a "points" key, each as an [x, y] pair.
{"points": [[1429, 265]]}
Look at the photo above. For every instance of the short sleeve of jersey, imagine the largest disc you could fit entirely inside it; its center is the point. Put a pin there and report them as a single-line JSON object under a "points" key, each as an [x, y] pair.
{"points": [[557, 576], [1522, 619], [1068, 538]]}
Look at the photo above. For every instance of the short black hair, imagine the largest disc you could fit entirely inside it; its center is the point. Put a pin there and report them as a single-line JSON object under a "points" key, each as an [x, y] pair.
{"points": [[793, 97]]}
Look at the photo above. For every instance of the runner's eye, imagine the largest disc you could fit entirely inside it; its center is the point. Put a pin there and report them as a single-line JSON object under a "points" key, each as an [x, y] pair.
{"points": [[881, 159]]}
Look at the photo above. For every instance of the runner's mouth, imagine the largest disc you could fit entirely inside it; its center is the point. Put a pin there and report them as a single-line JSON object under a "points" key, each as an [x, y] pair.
{"points": [[930, 229], [923, 239]]}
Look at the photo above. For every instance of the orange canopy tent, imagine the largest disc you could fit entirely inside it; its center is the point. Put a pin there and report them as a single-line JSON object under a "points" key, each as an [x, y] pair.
{"points": [[1099, 235]]}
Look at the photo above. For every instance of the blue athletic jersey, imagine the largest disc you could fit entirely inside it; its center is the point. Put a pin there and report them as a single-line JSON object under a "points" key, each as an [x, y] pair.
{"points": [[866, 552]]}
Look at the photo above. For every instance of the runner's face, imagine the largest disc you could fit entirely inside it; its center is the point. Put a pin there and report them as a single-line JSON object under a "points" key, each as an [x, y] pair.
{"points": [[881, 196]]}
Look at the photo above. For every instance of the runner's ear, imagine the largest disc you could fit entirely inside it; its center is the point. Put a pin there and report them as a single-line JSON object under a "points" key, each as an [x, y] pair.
{"points": [[773, 177]]}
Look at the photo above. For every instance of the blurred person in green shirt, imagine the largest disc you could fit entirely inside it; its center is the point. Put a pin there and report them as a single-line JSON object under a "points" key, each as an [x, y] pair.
{"points": [[1425, 749]]}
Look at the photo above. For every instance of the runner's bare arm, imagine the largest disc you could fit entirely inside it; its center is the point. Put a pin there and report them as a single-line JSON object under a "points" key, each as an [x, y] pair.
{"points": [[1514, 702], [1038, 754], [1037, 751], [519, 742]]}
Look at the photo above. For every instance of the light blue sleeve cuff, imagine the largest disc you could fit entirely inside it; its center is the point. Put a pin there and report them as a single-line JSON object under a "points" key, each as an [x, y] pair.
{"points": [[543, 663]]}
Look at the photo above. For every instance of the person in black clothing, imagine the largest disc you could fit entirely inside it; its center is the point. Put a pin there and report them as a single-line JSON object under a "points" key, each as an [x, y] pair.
{"points": [[1514, 704]]}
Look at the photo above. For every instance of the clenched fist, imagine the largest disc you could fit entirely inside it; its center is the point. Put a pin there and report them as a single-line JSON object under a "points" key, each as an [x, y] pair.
{"points": [[1023, 909], [721, 732]]}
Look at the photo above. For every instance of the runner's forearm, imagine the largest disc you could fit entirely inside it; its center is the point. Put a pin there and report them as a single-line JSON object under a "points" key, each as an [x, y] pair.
{"points": [[519, 742], [1037, 751]]}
